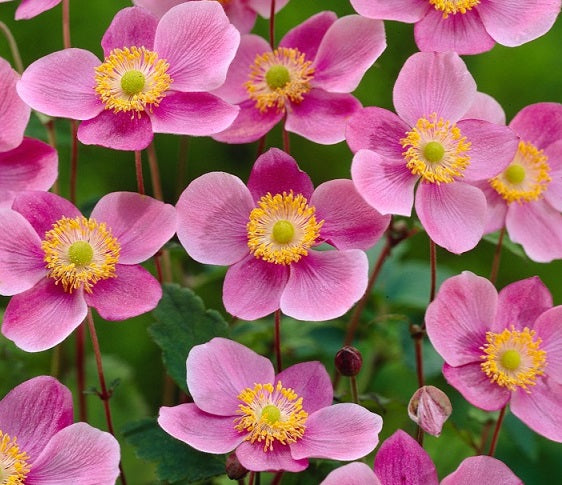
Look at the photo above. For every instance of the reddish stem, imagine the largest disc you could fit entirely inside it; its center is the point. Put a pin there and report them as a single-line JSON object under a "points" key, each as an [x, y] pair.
{"points": [[81, 372], [138, 169], [272, 25], [286, 141], [277, 342], [73, 160], [496, 434], [66, 23], [497, 257], [433, 268]]}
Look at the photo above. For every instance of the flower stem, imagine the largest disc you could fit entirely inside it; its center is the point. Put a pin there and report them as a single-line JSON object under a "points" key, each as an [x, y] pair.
{"points": [[13, 46], [261, 145], [286, 141], [277, 342], [183, 152], [81, 372], [272, 25], [154, 172], [66, 23], [497, 257], [496, 434], [138, 169], [73, 160], [354, 393], [277, 478], [417, 334], [433, 269]]}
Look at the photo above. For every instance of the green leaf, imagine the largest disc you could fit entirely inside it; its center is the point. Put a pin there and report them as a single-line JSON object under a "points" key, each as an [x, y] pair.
{"points": [[183, 322], [175, 461], [506, 244]]}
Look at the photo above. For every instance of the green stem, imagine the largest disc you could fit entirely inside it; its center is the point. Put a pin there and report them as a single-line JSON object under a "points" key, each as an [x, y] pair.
{"points": [[13, 46]]}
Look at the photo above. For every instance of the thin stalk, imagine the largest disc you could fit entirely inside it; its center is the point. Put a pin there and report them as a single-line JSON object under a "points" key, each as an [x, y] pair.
{"points": [[497, 257], [417, 334], [419, 436], [261, 145], [433, 269], [277, 478], [66, 23], [277, 342], [56, 361], [154, 172], [251, 478], [483, 437], [354, 393], [272, 25], [81, 372], [496, 434], [13, 46], [286, 141], [182, 164], [138, 170]]}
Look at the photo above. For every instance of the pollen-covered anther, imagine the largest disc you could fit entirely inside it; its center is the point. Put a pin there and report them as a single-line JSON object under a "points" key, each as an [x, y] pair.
{"points": [[436, 150], [453, 6], [282, 228], [132, 79], [278, 77], [13, 462], [80, 252], [271, 413]]}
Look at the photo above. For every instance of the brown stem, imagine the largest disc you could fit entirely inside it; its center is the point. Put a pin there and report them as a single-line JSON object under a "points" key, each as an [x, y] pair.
{"points": [[496, 434], [251, 478], [13, 46], [497, 257], [354, 393], [277, 342], [182, 164], [272, 25], [286, 141], [81, 371], [73, 160], [277, 478], [154, 172], [483, 437], [417, 334], [66, 23], [419, 436], [433, 268], [138, 170], [261, 145]]}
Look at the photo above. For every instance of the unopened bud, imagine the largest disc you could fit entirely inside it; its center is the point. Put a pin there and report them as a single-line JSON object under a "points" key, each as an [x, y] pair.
{"points": [[234, 469], [429, 408], [348, 361]]}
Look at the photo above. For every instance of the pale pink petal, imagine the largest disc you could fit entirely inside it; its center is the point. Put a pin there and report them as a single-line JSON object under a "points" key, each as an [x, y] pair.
{"points": [[43, 316], [263, 7], [158, 7], [459, 317], [433, 82], [452, 214], [486, 108], [218, 371], [402, 10], [476, 387], [549, 330], [31, 8], [242, 16], [539, 124], [343, 431], [199, 43], [325, 284], [481, 469], [140, 223], [131, 27], [253, 457], [204, 432], [349, 222], [119, 131], [307, 36], [34, 412], [350, 46], [14, 113], [321, 117], [132, 292], [355, 473], [252, 288], [212, 215], [62, 84], [497, 208], [553, 193]]}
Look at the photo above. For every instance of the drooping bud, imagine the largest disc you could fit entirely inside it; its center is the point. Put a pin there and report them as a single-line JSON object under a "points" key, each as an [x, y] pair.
{"points": [[430, 407], [348, 361], [234, 469]]}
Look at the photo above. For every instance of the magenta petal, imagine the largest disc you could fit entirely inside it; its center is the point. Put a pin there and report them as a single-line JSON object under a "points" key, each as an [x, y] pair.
{"points": [[307, 36], [31, 8], [553, 194], [218, 371], [140, 223], [204, 432], [401, 459], [132, 292], [252, 288], [131, 27], [486, 108], [199, 43], [349, 222], [539, 124], [549, 330], [34, 412], [62, 84], [476, 387], [311, 381], [402, 10], [119, 131], [276, 172], [433, 82], [253, 457], [43, 316], [356, 473], [459, 317], [452, 214], [481, 469], [212, 215], [14, 113], [340, 432], [325, 284], [321, 117]]}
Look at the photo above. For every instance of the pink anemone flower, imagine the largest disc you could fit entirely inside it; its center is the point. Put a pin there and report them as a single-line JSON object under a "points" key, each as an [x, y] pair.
{"points": [[154, 78], [14, 113], [267, 232], [501, 349], [401, 460], [242, 13], [306, 79], [40, 445], [57, 262], [28, 9], [432, 142], [275, 422], [466, 26]]}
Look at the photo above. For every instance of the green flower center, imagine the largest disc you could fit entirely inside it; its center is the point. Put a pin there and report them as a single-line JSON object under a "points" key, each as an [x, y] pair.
{"points": [[80, 253], [515, 173], [132, 82], [277, 76], [283, 232], [433, 151], [271, 413], [511, 359]]}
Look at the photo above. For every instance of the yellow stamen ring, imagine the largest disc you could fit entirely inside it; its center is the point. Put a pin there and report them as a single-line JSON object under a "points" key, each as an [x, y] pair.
{"points": [[454, 6], [13, 462]]}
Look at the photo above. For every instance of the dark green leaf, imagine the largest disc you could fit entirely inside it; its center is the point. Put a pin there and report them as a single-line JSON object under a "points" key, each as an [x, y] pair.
{"points": [[506, 244]]}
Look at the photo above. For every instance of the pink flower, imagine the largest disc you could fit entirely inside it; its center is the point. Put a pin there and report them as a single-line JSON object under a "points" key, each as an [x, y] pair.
{"points": [[153, 80], [306, 79], [501, 349], [267, 232], [39, 445], [14, 113], [242, 13], [273, 422], [466, 26], [526, 197], [430, 141], [57, 262], [31, 8]]}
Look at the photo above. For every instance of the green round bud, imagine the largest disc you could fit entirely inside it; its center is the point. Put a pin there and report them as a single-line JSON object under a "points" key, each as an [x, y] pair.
{"points": [[511, 359], [277, 76], [433, 151], [132, 82], [515, 173], [283, 232], [80, 253]]}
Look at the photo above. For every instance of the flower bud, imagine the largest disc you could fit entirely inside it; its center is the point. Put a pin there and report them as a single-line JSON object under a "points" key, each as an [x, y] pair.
{"points": [[429, 408], [234, 469], [348, 361]]}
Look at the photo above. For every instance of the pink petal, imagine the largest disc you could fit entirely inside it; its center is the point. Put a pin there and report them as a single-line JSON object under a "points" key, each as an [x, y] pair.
{"points": [[471, 381], [130, 27], [497, 208], [461, 33], [212, 228], [62, 84], [204, 432], [355, 473], [350, 46], [432, 82], [42, 317], [486, 108], [482, 469], [549, 330], [253, 457], [242, 16], [199, 43], [402, 10], [119, 131], [321, 117], [263, 7], [31, 8], [459, 317], [140, 223], [307, 36], [401, 459], [253, 287], [340, 432], [34, 412], [132, 292], [218, 371], [539, 124], [349, 222], [452, 214], [14, 113], [553, 194], [158, 7], [276, 172], [77, 454]]}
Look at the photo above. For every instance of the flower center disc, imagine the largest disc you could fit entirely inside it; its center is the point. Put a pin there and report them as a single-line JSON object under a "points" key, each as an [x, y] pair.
{"points": [[453, 6], [13, 462]]}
